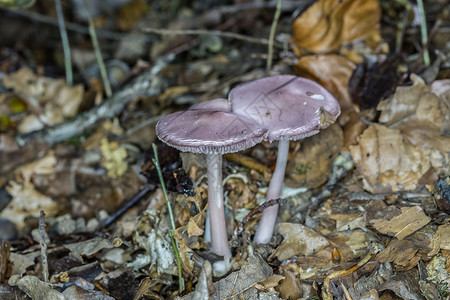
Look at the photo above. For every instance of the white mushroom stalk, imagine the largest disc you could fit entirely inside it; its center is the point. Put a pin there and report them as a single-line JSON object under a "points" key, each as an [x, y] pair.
{"points": [[267, 223], [219, 242]]}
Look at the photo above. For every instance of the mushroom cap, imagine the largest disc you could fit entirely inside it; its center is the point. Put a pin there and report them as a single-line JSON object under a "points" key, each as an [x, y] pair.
{"points": [[290, 107], [219, 104], [209, 131]]}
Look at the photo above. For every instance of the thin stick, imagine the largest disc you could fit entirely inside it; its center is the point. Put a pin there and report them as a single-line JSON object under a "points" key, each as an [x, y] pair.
{"points": [[65, 42], [252, 213], [42, 241], [98, 53], [423, 31], [148, 83], [102, 33], [272, 36], [225, 34], [172, 221], [132, 202]]}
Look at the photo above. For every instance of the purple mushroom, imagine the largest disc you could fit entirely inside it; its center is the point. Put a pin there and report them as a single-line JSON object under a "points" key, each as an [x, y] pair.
{"points": [[290, 108], [213, 133], [219, 104]]}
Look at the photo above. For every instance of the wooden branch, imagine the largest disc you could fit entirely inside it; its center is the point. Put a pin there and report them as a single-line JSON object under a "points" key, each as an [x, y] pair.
{"points": [[148, 83]]}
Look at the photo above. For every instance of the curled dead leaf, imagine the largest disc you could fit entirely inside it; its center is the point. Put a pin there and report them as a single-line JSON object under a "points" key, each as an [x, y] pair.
{"points": [[328, 25], [388, 163], [332, 72]]}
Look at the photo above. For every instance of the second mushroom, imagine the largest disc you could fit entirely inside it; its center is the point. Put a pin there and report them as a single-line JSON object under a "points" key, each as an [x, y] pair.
{"points": [[290, 108]]}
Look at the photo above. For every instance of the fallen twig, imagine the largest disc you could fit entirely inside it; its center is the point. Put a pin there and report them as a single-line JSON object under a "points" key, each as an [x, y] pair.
{"points": [[225, 34], [252, 213], [148, 83], [129, 204]]}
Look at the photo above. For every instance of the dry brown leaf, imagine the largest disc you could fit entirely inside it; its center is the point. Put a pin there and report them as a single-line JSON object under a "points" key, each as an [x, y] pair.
{"points": [[311, 166], [441, 240], [400, 287], [298, 240], [416, 101], [270, 282], [185, 254], [419, 114], [193, 228], [408, 252], [388, 163], [411, 220], [241, 284], [424, 135], [50, 99], [332, 72], [328, 25], [289, 287]]}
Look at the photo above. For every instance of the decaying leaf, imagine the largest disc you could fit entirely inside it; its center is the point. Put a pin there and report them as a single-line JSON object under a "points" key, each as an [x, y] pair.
{"points": [[76, 292], [388, 163], [419, 114], [406, 254], [27, 201], [399, 286], [329, 25], [270, 282], [159, 253], [51, 100], [415, 102], [289, 287], [204, 286], [35, 288], [298, 240], [411, 220], [21, 262], [441, 239], [88, 248], [242, 283]]}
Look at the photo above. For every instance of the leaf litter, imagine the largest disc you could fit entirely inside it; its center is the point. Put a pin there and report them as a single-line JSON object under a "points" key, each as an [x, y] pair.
{"points": [[367, 199]]}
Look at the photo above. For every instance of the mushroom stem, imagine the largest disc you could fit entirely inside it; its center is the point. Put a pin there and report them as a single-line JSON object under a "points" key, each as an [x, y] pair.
{"points": [[269, 216], [219, 239]]}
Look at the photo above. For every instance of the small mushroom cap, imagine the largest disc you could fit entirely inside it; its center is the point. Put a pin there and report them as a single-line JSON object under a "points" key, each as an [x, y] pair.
{"points": [[208, 132], [219, 104], [288, 106]]}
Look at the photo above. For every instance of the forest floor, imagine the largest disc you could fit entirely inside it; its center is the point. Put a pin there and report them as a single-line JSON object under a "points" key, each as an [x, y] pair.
{"points": [[365, 202]]}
